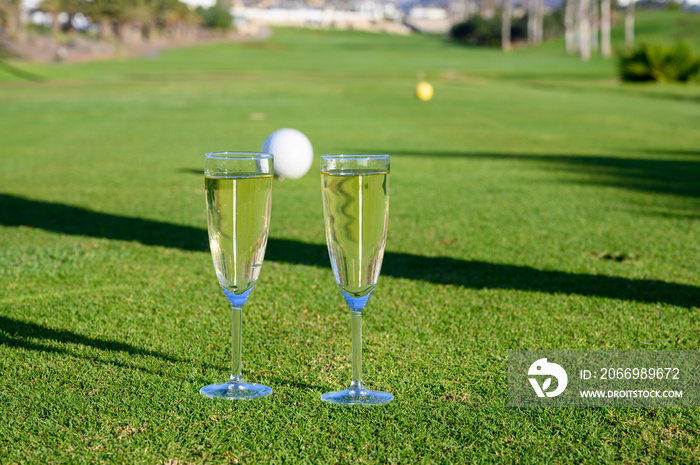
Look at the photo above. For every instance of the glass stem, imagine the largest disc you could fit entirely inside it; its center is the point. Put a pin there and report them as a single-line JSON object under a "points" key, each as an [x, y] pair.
{"points": [[356, 329], [236, 345]]}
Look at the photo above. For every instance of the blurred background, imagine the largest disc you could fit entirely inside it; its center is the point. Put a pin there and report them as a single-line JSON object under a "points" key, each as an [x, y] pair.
{"points": [[544, 195], [70, 30]]}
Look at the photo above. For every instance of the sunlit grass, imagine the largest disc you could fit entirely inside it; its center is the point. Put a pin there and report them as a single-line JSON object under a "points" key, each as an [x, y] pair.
{"points": [[510, 190]]}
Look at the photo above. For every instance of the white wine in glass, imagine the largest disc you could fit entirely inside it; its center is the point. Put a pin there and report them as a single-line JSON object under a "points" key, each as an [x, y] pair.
{"points": [[355, 191], [239, 197]]}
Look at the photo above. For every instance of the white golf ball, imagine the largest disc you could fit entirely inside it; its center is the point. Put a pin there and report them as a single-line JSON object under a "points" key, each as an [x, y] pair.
{"points": [[292, 151]]}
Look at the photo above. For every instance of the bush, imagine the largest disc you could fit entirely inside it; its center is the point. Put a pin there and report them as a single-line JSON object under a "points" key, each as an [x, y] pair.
{"points": [[215, 17], [487, 32], [648, 62]]}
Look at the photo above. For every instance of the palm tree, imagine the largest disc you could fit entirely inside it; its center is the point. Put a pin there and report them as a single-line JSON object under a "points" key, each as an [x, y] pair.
{"points": [[595, 25], [539, 21], [179, 20], [570, 26], [104, 13], [70, 7], [605, 48], [584, 30], [53, 8], [10, 19], [505, 24], [535, 20], [132, 18], [530, 21], [629, 24]]}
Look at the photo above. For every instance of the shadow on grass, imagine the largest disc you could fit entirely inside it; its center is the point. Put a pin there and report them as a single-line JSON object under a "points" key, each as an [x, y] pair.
{"points": [[677, 215], [192, 171], [18, 73], [28, 345], [683, 152], [675, 177], [643, 90], [17, 334], [18, 211], [19, 330]]}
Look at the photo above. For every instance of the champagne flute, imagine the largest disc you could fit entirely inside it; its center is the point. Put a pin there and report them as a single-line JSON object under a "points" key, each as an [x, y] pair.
{"points": [[355, 192], [239, 197]]}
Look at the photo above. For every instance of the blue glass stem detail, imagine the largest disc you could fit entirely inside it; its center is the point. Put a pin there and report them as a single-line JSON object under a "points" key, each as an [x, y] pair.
{"points": [[357, 304], [356, 330], [236, 346], [237, 301]]}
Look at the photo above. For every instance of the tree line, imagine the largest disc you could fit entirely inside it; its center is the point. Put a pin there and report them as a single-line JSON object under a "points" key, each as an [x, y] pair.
{"points": [[128, 21], [586, 24]]}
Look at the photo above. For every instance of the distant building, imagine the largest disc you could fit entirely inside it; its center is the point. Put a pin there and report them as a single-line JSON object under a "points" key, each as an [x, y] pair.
{"points": [[368, 15]]}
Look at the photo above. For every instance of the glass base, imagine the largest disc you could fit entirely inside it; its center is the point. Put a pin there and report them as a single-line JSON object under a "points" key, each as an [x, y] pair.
{"points": [[235, 391], [358, 395]]}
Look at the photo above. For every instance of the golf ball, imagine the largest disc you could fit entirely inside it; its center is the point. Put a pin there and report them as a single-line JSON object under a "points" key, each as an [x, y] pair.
{"points": [[292, 152], [424, 91]]}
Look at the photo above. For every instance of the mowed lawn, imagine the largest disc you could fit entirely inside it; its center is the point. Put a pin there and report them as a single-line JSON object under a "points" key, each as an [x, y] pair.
{"points": [[536, 203]]}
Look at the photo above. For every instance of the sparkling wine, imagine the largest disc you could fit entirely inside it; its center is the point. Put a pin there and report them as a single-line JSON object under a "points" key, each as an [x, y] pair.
{"points": [[356, 208], [238, 212]]}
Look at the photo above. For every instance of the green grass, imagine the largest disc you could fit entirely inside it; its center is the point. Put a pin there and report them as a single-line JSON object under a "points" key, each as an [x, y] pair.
{"points": [[507, 189]]}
